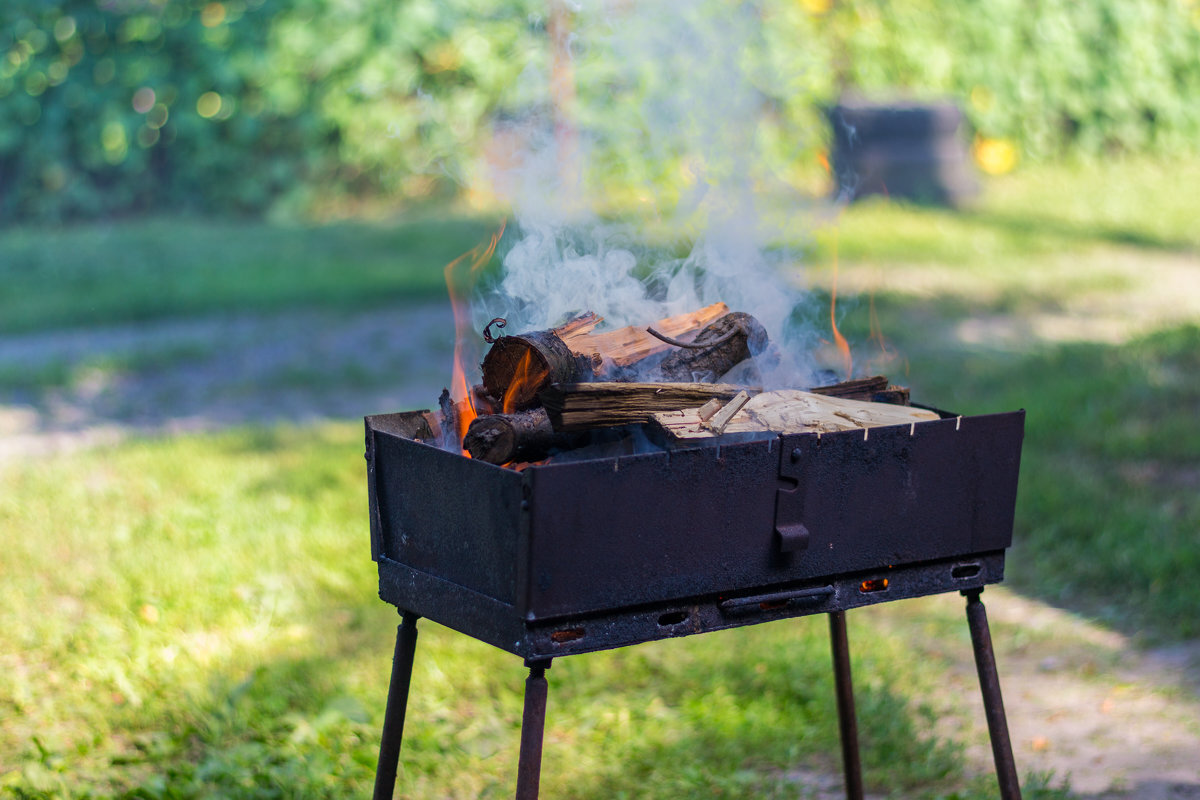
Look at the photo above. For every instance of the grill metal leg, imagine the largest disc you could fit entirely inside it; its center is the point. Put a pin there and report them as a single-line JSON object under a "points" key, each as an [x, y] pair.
{"points": [[397, 704], [847, 721], [533, 726], [993, 703]]}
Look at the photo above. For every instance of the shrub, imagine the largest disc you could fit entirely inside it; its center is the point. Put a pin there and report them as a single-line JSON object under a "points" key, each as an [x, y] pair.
{"points": [[120, 106]]}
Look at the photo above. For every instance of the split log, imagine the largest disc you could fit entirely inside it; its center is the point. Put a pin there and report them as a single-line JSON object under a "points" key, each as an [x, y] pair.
{"points": [[857, 389], [582, 406], [719, 420], [792, 411], [627, 346], [875, 389], [523, 436], [732, 339], [517, 367], [895, 395]]}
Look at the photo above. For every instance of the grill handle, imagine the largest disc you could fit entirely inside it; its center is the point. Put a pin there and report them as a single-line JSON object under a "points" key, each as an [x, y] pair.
{"points": [[768, 602]]}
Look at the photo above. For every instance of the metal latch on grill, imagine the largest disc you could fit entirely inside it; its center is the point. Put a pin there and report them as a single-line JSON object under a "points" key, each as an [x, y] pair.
{"points": [[791, 536]]}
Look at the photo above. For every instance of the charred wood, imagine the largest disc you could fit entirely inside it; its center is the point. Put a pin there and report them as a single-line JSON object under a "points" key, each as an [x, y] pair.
{"points": [[857, 389], [522, 436], [875, 389], [716, 350], [517, 367]]}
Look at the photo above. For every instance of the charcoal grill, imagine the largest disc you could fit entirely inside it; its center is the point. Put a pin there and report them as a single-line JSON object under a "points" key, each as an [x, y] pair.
{"points": [[568, 558]]}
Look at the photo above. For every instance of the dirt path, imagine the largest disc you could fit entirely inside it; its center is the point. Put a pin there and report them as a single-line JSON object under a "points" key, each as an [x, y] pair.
{"points": [[103, 384], [1083, 703]]}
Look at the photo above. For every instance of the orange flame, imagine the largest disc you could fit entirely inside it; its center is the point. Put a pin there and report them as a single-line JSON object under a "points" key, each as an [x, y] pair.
{"points": [[457, 285], [842, 345], [527, 377]]}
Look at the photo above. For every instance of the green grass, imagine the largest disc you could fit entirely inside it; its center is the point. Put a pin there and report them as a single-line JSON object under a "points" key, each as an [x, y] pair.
{"points": [[1022, 220], [197, 616], [128, 271]]}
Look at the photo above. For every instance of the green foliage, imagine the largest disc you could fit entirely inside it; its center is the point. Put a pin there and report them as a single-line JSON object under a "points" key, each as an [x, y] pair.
{"points": [[232, 105], [227, 105], [128, 106], [1055, 76], [407, 87]]}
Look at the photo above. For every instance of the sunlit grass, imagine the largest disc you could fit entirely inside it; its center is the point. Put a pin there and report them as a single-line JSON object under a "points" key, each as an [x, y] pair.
{"points": [[137, 270], [1025, 222], [197, 616]]}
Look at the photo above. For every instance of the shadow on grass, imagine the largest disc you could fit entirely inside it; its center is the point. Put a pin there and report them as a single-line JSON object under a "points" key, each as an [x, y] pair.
{"points": [[679, 719]]}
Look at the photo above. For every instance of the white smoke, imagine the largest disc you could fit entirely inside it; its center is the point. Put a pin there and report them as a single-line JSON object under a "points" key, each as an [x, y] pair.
{"points": [[675, 81]]}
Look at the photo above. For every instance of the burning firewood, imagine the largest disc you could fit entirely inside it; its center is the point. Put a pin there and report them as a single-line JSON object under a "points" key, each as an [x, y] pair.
{"points": [[717, 349], [792, 411], [517, 367], [521, 436], [582, 406]]}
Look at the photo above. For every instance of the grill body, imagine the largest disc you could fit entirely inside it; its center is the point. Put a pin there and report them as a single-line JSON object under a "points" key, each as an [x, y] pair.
{"points": [[590, 555]]}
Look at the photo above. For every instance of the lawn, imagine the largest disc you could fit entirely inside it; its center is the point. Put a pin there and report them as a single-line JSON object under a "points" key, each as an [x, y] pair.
{"points": [[195, 615], [135, 270]]}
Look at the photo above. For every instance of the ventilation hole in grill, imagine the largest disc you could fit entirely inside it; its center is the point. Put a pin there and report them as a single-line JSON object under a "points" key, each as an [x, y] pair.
{"points": [[568, 635], [963, 571], [672, 618], [771, 605], [873, 585]]}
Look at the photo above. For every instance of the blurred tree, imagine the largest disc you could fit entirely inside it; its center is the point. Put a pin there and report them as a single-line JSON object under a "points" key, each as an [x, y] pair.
{"points": [[126, 106]]}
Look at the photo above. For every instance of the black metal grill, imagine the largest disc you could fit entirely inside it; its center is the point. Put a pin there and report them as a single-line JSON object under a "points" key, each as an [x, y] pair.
{"points": [[567, 558]]}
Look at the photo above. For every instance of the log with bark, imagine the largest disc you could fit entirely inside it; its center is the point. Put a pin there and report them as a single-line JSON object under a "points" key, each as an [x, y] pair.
{"points": [[791, 411], [517, 367], [582, 406], [521, 436], [717, 349]]}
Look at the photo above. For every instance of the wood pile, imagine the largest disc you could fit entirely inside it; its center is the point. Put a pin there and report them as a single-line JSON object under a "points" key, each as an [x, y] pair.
{"points": [[553, 390]]}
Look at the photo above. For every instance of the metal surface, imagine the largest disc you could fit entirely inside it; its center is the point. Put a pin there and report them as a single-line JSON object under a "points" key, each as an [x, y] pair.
{"points": [[498, 624], [496, 553], [847, 719], [533, 726], [705, 345], [570, 558], [993, 702], [499, 322], [397, 705]]}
